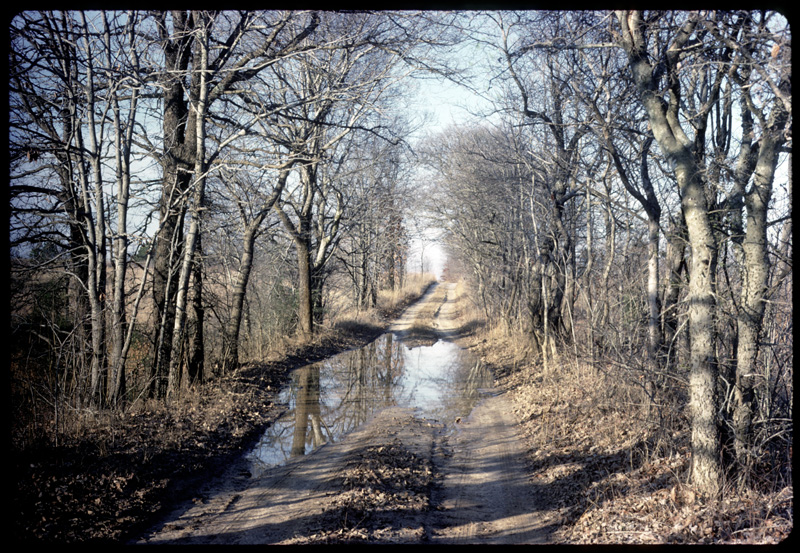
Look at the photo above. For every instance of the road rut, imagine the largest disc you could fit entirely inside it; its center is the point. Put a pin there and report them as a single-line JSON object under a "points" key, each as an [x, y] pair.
{"points": [[483, 494]]}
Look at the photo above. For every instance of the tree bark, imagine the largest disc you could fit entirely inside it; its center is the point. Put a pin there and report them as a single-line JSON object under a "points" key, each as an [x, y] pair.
{"points": [[123, 142], [193, 235], [706, 444], [305, 303], [676, 266], [230, 358], [755, 277], [195, 358], [177, 162]]}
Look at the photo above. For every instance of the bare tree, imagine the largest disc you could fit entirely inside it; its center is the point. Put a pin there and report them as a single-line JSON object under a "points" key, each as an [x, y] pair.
{"points": [[662, 111], [86, 122], [254, 202], [696, 57], [761, 49], [482, 196], [373, 228], [544, 98], [247, 43], [344, 87]]}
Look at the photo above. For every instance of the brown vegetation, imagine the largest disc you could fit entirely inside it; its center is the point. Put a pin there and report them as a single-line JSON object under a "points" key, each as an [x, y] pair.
{"points": [[104, 476], [615, 475], [621, 215]]}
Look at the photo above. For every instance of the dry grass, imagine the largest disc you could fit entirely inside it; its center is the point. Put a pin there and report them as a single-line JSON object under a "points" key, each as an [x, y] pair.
{"points": [[616, 477], [392, 302], [613, 473], [346, 319], [343, 314]]}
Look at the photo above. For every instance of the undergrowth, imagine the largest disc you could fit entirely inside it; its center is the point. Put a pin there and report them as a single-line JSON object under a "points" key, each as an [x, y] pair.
{"points": [[615, 468]]}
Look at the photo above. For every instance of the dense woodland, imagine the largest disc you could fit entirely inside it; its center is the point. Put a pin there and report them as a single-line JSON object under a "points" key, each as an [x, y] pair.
{"points": [[189, 188]]}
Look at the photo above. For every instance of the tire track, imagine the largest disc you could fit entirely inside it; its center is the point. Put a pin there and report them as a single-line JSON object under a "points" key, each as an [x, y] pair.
{"points": [[486, 496], [286, 501]]}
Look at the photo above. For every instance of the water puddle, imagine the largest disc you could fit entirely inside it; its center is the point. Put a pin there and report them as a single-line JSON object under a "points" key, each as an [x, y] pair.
{"points": [[329, 399]]}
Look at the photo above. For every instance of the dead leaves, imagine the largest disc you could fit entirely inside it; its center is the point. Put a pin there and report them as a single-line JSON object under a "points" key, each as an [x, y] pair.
{"points": [[385, 478], [611, 478], [380, 485], [682, 495]]}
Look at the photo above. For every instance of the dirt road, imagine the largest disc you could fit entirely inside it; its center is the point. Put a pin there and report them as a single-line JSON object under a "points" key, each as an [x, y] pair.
{"points": [[485, 496], [428, 483]]}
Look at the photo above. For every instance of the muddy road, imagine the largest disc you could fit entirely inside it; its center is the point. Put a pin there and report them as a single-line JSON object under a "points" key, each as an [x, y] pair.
{"points": [[408, 473]]}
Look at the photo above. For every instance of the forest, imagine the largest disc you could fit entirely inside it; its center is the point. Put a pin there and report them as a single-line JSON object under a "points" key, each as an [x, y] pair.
{"points": [[194, 192]]}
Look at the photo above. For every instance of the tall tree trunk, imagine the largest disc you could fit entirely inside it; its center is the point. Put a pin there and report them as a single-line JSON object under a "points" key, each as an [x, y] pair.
{"points": [[610, 255], [195, 362], [232, 330], [311, 257], [95, 283], [305, 300], [706, 446], [676, 266], [177, 161], [198, 197], [123, 142], [755, 276], [230, 358], [96, 236], [317, 294], [118, 315], [653, 300], [677, 148]]}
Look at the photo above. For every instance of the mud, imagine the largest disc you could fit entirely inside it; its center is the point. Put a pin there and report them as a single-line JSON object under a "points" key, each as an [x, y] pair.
{"points": [[398, 479]]}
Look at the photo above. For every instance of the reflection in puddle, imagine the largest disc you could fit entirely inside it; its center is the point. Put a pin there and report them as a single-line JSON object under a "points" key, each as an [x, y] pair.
{"points": [[329, 399]]}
